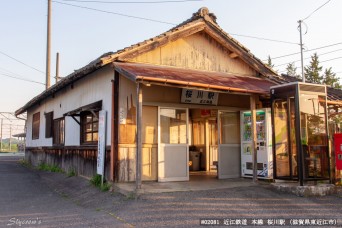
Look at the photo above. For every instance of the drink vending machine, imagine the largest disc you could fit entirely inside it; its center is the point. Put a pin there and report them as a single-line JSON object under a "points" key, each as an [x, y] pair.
{"points": [[264, 144]]}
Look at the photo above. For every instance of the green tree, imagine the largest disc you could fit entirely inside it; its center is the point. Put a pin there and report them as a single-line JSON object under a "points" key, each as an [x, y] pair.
{"points": [[312, 72], [269, 62], [291, 70], [329, 78]]}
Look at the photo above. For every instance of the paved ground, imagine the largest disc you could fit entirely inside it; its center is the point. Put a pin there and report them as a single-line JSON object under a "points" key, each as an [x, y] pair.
{"points": [[60, 201]]}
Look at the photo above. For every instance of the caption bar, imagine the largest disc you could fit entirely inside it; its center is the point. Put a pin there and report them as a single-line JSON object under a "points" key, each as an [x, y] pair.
{"points": [[268, 222]]}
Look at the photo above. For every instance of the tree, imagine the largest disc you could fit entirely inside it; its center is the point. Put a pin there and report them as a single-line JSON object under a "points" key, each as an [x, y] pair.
{"points": [[269, 62], [291, 70], [329, 78], [312, 72]]}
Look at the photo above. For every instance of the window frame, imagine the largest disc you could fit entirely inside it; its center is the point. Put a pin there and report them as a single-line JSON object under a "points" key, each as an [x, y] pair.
{"points": [[35, 125], [58, 132], [83, 122], [49, 128]]}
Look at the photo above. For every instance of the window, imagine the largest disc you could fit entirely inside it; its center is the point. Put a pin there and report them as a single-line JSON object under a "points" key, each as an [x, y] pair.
{"points": [[35, 125], [58, 131], [48, 124], [89, 127]]}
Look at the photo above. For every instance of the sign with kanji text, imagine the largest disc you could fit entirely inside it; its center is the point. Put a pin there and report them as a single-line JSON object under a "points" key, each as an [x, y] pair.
{"points": [[101, 146], [192, 96]]}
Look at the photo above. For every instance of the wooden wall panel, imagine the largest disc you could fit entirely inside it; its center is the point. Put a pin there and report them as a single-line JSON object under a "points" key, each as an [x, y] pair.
{"points": [[198, 51]]}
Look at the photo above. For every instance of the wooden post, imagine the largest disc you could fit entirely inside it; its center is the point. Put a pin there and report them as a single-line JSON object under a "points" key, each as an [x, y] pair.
{"points": [[112, 126], [139, 139], [254, 138]]}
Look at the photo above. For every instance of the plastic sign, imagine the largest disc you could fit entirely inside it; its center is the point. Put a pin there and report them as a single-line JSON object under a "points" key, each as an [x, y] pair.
{"points": [[101, 145]]}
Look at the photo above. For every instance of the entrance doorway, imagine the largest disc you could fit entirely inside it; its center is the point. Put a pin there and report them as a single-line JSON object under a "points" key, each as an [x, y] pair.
{"points": [[214, 148], [198, 143]]}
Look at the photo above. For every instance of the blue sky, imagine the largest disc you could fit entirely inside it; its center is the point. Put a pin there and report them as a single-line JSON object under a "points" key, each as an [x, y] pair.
{"points": [[82, 35]]}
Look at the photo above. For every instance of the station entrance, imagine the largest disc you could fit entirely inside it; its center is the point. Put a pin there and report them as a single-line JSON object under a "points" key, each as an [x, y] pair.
{"points": [[198, 143]]}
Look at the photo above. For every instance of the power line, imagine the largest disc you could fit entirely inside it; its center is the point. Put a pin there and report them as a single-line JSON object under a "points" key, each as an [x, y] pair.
{"points": [[22, 62], [23, 79], [158, 21], [308, 57], [316, 10], [119, 14], [331, 59], [132, 2], [282, 56], [260, 38]]}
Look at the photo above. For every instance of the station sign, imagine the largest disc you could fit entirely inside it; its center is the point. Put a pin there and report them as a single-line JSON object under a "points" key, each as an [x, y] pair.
{"points": [[191, 96]]}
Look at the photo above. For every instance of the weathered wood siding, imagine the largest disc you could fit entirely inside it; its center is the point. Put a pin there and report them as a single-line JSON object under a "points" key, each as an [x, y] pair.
{"points": [[127, 162], [80, 159], [198, 51]]}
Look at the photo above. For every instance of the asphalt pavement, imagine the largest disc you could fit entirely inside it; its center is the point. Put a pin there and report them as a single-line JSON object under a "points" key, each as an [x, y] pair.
{"points": [[55, 200]]}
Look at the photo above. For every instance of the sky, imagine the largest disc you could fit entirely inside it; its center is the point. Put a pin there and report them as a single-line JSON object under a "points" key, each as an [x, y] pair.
{"points": [[81, 35]]}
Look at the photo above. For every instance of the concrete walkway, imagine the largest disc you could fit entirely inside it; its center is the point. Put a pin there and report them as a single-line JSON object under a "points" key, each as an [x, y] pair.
{"points": [[198, 182]]}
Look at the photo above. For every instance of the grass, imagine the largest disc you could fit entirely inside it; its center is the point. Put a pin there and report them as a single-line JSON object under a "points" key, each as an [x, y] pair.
{"points": [[49, 168], [25, 163], [71, 172], [96, 181]]}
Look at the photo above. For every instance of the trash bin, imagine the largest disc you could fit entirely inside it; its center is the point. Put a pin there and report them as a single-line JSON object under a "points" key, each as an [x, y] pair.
{"points": [[195, 160]]}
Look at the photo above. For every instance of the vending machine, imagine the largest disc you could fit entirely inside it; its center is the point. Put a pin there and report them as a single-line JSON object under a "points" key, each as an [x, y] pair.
{"points": [[264, 144]]}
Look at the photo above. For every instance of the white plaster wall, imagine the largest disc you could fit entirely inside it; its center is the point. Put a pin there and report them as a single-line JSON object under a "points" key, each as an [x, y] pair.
{"points": [[94, 87]]}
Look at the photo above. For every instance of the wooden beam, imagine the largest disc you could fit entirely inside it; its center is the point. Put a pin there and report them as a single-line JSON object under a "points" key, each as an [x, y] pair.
{"points": [[233, 55], [115, 136], [254, 137], [112, 126], [139, 139]]}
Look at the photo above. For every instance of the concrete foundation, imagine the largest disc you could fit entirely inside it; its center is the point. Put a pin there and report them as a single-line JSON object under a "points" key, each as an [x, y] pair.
{"points": [[305, 191]]}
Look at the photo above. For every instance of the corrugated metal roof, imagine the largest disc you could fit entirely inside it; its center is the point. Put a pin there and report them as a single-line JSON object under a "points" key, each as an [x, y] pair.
{"points": [[194, 78]]}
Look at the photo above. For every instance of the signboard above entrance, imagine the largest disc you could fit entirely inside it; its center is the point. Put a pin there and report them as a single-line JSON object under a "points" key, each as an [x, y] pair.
{"points": [[191, 96]]}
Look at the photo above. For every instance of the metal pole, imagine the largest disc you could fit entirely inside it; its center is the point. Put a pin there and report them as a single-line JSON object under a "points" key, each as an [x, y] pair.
{"points": [[139, 143], [10, 139], [1, 136], [48, 45], [57, 67], [254, 138], [301, 50]]}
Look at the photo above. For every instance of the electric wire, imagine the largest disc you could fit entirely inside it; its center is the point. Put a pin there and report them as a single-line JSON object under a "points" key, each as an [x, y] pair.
{"points": [[23, 79], [21, 62], [296, 53], [115, 13], [260, 38], [316, 10], [308, 57], [158, 21]]}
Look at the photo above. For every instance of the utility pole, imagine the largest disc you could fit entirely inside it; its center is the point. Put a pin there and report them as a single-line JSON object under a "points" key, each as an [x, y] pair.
{"points": [[10, 139], [48, 45], [301, 49], [57, 67]]}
